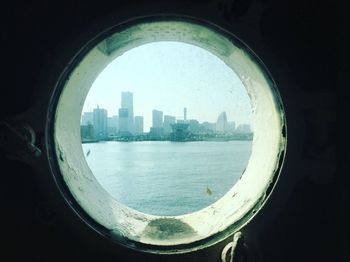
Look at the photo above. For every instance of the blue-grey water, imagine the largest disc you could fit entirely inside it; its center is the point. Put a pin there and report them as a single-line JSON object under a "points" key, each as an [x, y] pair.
{"points": [[167, 178]]}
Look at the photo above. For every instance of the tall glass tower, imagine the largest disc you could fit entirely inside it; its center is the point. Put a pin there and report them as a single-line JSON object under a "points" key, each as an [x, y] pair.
{"points": [[128, 112], [157, 118], [100, 123]]}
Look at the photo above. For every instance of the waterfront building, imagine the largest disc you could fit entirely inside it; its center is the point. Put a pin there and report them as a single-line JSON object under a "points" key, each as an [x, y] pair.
{"points": [[127, 102], [243, 128], [179, 132], [221, 123], [126, 112], [123, 121], [87, 132], [156, 133], [112, 125], [194, 126], [138, 125], [87, 118], [208, 127], [168, 121], [100, 123], [157, 119], [231, 127]]}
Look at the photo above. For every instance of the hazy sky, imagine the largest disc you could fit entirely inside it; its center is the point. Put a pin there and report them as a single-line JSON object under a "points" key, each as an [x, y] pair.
{"points": [[169, 76]]}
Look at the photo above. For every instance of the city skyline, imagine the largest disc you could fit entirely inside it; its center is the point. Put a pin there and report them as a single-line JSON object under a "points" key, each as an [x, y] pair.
{"points": [[171, 76], [125, 122]]}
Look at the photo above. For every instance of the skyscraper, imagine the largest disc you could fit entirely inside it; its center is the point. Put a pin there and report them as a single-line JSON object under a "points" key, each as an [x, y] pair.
{"points": [[112, 125], [100, 123], [123, 120], [221, 123], [127, 103], [138, 125], [126, 114], [157, 118], [157, 130]]}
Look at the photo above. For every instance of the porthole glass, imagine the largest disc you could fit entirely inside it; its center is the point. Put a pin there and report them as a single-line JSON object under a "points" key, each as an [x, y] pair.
{"points": [[104, 204], [170, 130]]}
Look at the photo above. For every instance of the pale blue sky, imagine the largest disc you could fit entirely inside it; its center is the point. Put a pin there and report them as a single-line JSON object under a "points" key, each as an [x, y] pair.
{"points": [[169, 76]]}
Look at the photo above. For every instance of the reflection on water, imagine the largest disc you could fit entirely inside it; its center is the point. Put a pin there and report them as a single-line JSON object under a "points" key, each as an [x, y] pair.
{"points": [[167, 178]]}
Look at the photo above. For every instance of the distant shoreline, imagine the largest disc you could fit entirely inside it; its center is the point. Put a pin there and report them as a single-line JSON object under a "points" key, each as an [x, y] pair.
{"points": [[219, 139]]}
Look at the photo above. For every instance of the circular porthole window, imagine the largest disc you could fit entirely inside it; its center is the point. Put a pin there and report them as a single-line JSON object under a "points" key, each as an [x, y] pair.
{"points": [[170, 162], [148, 151]]}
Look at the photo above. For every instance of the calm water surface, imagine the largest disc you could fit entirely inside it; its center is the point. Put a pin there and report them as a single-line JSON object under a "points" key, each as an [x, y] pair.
{"points": [[167, 178]]}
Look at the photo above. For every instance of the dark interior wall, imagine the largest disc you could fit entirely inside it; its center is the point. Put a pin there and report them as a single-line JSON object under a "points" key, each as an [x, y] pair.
{"points": [[311, 226]]}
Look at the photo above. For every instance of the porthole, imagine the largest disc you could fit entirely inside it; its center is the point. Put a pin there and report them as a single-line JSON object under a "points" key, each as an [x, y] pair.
{"points": [[165, 233], [153, 155]]}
